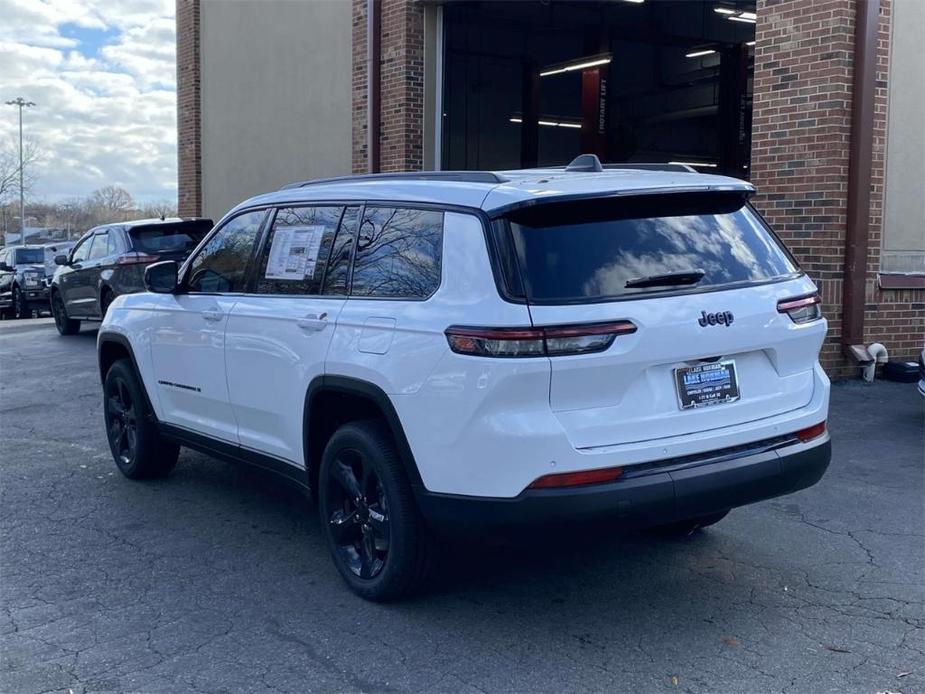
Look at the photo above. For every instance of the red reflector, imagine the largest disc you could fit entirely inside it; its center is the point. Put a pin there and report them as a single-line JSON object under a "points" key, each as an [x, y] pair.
{"points": [[575, 479], [810, 433]]}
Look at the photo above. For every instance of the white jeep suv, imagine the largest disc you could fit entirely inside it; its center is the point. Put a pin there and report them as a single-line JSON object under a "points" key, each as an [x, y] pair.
{"points": [[467, 350]]}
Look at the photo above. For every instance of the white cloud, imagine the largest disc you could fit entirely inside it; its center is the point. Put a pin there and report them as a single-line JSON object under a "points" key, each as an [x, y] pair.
{"points": [[102, 74]]}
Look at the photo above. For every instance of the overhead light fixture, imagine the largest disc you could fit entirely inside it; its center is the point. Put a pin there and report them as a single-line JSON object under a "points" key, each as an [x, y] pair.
{"points": [[571, 67], [635, 2], [749, 43], [701, 164], [698, 54], [735, 15], [548, 123]]}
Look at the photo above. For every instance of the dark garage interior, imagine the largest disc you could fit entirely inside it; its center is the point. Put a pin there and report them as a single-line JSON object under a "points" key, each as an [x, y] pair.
{"points": [[536, 83]]}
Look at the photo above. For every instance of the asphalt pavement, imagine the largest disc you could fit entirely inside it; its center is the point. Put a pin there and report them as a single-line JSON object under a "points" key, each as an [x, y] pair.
{"points": [[217, 578]]}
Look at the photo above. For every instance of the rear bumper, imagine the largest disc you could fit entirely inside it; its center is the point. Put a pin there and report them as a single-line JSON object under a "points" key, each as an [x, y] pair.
{"points": [[660, 494]]}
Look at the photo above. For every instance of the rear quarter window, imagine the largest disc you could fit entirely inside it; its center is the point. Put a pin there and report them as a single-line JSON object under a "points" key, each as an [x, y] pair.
{"points": [[399, 253], [589, 250]]}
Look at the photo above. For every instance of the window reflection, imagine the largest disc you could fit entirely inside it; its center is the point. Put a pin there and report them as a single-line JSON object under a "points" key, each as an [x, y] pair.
{"points": [[398, 253], [221, 265], [322, 221], [595, 260]]}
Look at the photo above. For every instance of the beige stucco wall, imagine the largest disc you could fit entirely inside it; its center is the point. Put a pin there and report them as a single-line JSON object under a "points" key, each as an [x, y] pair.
{"points": [[276, 101], [904, 206]]}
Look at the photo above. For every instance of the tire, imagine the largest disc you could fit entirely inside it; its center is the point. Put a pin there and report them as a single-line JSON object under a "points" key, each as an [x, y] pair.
{"points": [[376, 537], [20, 307], [689, 526], [105, 299], [65, 325], [137, 448]]}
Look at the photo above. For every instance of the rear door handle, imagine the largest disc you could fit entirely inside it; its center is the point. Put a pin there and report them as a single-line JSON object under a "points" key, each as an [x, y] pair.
{"points": [[313, 322], [212, 315]]}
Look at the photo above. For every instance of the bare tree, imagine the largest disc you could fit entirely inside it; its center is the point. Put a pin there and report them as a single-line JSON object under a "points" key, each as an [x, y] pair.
{"points": [[9, 168], [160, 208], [112, 204]]}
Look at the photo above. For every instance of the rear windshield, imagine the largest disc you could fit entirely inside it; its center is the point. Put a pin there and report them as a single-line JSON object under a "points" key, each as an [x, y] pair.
{"points": [[30, 256], [589, 250], [169, 238]]}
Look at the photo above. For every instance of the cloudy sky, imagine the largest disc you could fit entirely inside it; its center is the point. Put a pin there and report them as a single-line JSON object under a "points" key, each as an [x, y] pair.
{"points": [[102, 73]]}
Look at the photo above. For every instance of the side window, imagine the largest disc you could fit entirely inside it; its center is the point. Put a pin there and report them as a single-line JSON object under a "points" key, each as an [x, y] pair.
{"points": [[297, 250], [100, 247], [113, 244], [81, 250], [338, 272], [398, 253], [221, 265]]}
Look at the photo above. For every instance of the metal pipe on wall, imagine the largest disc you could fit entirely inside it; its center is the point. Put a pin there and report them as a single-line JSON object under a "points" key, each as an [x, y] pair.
{"points": [[860, 154], [373, 62]]}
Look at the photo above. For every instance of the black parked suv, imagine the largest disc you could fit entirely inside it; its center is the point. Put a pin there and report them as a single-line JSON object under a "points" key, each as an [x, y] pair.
{"points": [[22, 281], [110, 260]]}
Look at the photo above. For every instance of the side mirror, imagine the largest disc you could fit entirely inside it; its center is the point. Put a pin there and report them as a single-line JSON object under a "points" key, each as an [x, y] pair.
{"points": [[61, 259], [4, 267], [161, 278]]}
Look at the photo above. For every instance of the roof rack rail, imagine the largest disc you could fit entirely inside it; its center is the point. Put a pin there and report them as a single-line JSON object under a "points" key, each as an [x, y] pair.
{"points": [[458, 176], [590, 162], [646, 166]]}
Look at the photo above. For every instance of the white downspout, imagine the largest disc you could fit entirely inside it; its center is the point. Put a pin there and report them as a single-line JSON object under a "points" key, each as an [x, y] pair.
{"points": [[878, 355]]}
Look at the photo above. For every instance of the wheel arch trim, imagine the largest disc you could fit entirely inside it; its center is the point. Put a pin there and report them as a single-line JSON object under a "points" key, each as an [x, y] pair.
{"points": [[347, 385], [110, 338]]}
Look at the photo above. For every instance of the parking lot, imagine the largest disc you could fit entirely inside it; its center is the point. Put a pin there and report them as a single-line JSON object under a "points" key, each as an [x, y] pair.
{"points": [[217, 579]]}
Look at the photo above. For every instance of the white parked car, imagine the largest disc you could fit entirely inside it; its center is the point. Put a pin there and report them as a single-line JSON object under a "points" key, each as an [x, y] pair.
{"points": [[466, 350]]}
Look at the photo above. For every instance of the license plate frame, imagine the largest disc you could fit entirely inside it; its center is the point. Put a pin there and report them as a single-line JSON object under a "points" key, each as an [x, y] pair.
{"points": [[721, 386]]}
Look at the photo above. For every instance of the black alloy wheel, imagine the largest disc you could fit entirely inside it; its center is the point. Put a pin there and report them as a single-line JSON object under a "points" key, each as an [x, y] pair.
{"points": [[359, 514], [121, 422], [65, 325], [134, 439], [372, 526]]}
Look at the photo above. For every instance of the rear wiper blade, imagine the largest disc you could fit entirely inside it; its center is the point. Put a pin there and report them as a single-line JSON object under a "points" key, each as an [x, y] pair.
{"points": [[669, 279]]}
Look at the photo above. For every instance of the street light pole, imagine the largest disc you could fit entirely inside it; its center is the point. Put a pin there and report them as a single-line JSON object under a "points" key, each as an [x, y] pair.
{"points": [[22, 103]]}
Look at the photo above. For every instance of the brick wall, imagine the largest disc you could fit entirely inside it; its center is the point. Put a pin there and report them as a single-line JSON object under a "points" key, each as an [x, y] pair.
{"points": [[358, 77], [800, 143], [189, 121], [401, 134]]}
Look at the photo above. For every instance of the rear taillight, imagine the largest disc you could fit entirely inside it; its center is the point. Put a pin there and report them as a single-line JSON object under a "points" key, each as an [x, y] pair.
{"points": [[550, 340], [801, 309], [810, 433], [577, 479], [136, 258]]}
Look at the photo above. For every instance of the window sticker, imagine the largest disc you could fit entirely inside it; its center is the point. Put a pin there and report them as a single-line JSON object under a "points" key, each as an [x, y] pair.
{"points": [[294, 252]]}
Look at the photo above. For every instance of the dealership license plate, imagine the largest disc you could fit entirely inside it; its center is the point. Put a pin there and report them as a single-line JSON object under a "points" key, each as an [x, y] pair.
{"points": [[706, 384]]}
